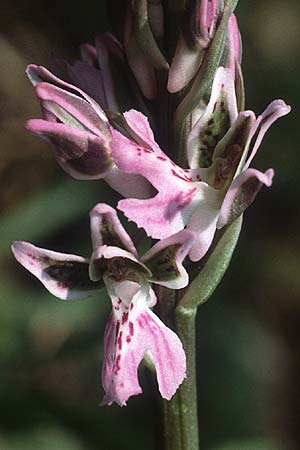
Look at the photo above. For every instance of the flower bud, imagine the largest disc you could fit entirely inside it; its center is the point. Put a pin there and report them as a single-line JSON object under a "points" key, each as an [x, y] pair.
{"points": [[75, 125]]}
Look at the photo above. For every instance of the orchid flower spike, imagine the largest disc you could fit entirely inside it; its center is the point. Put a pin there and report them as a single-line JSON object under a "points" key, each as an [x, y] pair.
{"points": [[80, 133], [133, 330], [219, 185]]}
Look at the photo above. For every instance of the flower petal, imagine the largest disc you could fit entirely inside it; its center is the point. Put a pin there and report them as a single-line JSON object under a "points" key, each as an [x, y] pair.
{"points": [[185, 65], [71, 109], [81, 154], [139, 123], [230, 153], [242, 193], [217, 118], [276, 109], [203, 223], [129, 184], [106, 229], [89, 79], [126, 342], [165, 260], [65, 276], [39, 74], [234, 44], [167, 212], [141, 68]]}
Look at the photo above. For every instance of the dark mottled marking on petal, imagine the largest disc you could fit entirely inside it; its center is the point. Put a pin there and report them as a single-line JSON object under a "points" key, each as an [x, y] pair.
{"points": [[131, 328], [163, 264], [71, 275], [108, 233], [124, 318], [212, 132], [121, 269], [245, 196]]}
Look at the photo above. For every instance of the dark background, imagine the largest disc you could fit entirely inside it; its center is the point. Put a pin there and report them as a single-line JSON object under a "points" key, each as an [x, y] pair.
{"points": [[248, 333]]}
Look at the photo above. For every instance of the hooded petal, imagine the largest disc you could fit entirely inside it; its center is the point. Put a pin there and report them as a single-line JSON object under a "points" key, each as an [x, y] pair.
{"points": [[88, 78], [106, 229], [39, 74], [217, 118], [113, 249], [242, 193], [71, 109], [127, 340], [81, 154], [165, 260], [65, 276]]}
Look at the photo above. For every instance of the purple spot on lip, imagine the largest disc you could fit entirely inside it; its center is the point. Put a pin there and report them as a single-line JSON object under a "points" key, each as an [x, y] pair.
{"points": [[184, 177], [120, 340], [181, 201], [124, 317], [131, 328]]}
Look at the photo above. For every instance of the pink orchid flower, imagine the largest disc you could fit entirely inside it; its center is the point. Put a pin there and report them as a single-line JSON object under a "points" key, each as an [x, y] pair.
{"points": [[133, 330], [79, 133], [218, 186]]}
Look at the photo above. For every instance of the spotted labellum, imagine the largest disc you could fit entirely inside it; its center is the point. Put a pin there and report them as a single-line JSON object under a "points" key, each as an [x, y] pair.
{"points": [[133, 330]]}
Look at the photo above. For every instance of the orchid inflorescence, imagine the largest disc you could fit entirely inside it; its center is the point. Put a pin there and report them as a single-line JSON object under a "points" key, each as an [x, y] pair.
{"points": [[95, 134]]}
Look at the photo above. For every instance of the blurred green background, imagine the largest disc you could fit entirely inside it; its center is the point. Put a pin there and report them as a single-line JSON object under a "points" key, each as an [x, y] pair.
{"points": [[248, 333]]}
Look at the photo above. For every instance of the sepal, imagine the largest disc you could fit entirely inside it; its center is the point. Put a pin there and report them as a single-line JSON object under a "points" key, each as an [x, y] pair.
{"points": [[65, 276]]}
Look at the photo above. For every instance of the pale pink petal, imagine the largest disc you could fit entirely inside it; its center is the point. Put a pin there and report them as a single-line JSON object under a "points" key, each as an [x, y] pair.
{"points": [[65, 276], [242, 193], [71, 109], [276, 109], [140, 125], [217, 118], [207, 18], [165, 260], [184, 66], [106, 229], [129, 184], [203, 223], [81, 154], [133, 331], [163, 215], [167, 212], [39, 74], [234, 44]]}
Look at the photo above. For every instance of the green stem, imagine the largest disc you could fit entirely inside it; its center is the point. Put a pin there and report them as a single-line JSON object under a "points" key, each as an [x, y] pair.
{"points": [[180, 413]]}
